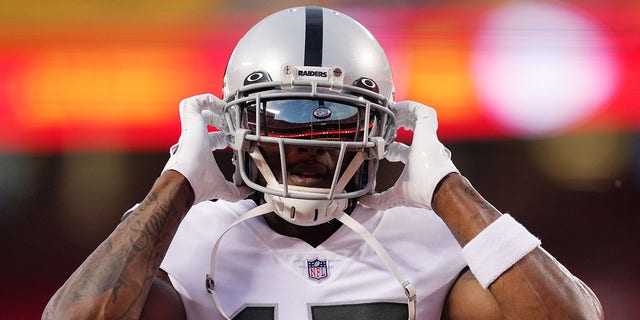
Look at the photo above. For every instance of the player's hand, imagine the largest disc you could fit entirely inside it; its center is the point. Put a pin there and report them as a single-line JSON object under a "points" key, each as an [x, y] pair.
{"points": [[193, 156], [427, 161]]}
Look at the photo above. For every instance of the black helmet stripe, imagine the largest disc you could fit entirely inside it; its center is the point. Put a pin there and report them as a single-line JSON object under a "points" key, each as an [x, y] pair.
{"points": [[313, 37]]}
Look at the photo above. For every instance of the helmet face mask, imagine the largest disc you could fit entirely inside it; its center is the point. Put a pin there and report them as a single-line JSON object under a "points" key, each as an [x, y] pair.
{"points": [[286, 87]]}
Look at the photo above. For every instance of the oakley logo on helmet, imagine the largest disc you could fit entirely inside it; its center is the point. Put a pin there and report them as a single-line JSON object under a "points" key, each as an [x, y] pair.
{"points": [[367, 83], [257, 77]]}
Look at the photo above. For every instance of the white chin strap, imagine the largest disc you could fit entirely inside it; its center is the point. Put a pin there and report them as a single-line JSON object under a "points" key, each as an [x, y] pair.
{"points": [[340, 215], [306, 212]]}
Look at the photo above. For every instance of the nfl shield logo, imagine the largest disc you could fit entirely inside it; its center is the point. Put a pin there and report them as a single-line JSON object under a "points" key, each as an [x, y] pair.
{"points": [[317, 269]]}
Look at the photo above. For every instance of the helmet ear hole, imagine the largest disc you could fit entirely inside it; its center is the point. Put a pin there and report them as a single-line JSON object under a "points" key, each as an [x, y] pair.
{"points": [[366, 83]]}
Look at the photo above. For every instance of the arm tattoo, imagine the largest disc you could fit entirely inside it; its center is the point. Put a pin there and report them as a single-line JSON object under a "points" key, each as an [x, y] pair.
{"points": [[148, 243], [123, 267]]}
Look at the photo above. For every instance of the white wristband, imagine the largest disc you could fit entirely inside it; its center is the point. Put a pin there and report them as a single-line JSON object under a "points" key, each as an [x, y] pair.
{"points": [[496, 248]]}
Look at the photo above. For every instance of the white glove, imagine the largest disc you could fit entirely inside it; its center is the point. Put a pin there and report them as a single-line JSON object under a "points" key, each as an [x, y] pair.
{"points": [[427, 161], [193, 156]]}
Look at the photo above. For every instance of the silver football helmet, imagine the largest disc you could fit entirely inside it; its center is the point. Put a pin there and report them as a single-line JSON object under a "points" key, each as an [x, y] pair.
{"points": [[308, 77]]}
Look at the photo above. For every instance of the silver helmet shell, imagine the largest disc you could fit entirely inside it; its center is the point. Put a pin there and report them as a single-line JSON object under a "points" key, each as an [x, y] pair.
{"points": [[316, 55], [287, 38]]}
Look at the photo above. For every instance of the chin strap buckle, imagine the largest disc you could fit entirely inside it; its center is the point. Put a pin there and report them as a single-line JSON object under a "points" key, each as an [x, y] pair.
{"points": [[209, 284], [409, 290]]}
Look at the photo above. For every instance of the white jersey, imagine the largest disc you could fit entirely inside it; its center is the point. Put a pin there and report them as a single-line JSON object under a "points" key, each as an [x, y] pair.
{"points": [[260, 274]]}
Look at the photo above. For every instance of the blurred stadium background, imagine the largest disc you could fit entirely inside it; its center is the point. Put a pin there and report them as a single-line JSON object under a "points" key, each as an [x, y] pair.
{"points": [[538, 101]]}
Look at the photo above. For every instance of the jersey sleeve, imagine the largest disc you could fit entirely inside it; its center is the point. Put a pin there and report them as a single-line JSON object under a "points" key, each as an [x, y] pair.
{"points": [[188, 258]]}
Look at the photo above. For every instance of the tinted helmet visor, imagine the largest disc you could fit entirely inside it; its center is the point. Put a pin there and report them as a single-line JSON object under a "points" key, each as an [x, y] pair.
{"points": [[309, 119]]}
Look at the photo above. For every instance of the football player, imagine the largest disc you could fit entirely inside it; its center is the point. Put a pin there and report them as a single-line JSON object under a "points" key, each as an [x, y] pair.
{"points": [[300, 233]]}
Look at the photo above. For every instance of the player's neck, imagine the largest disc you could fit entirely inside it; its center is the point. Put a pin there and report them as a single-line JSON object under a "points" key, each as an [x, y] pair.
{"points": [[313, 235]]}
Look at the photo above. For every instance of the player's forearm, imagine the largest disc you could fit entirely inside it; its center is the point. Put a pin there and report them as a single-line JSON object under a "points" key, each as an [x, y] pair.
{"points": [[114, 280], [535, 287], [539, 287], [462, 208]]}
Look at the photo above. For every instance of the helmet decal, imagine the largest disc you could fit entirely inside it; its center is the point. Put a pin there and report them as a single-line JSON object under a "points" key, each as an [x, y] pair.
{"points": [[257, 77], [322, 112], [313, 37], [367, 83]]}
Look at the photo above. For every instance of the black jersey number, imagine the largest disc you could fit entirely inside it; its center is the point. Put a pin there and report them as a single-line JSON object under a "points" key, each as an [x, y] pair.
{"points": [[360, 311]]}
